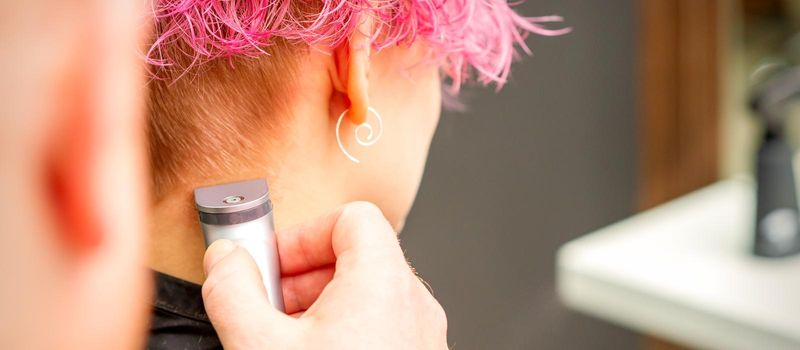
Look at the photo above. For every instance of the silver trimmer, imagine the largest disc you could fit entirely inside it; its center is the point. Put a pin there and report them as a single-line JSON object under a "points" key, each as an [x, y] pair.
{"points": [[242, 213]]}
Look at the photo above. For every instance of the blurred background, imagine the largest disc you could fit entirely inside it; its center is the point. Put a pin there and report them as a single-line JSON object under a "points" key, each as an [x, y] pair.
{"points": [[643, 102]]}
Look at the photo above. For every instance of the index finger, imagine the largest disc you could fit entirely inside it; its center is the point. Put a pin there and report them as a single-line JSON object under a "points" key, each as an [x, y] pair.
{"points": [[358, 229]]}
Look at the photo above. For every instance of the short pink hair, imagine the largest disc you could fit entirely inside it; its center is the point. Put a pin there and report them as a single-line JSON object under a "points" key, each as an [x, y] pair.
{"points": [[466, 36], [231, 94]]}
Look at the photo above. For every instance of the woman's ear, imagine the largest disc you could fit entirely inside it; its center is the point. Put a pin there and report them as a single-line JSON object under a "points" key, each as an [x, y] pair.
{"points": [[352, 70]]}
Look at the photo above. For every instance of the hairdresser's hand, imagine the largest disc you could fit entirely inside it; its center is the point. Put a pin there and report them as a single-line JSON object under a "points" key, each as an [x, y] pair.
{"points": [[346, 282]]}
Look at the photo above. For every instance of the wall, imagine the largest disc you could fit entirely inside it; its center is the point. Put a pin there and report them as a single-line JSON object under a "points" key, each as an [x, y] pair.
{"points": [[549, 158]]}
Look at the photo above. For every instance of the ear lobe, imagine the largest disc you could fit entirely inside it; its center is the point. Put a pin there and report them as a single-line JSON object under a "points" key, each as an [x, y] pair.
{"points": [[70, 170], [352, 70]]}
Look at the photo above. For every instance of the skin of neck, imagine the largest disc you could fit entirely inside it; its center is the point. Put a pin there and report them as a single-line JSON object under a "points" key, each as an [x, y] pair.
{"points": [[306, 175]]}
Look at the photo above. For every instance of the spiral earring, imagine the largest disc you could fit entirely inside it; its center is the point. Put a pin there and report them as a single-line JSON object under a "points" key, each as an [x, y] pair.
{"points": [[370, 139]]}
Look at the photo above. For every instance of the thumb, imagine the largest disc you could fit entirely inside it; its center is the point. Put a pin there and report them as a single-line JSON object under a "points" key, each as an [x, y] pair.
{"points": [[235, 299]]}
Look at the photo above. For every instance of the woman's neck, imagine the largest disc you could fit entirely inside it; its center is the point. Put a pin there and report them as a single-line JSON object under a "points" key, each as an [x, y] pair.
{"points": [[176, 242]]}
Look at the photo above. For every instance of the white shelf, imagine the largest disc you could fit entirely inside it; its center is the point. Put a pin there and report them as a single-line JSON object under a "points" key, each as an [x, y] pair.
{"points": [[683, 272]]}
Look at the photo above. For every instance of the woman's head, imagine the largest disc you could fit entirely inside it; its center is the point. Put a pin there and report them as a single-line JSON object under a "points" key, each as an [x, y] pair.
{"points": [[255, 88]]}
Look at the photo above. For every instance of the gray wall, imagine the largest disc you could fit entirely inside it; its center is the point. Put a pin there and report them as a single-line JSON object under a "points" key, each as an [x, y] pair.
{"points": [[549, 158]]}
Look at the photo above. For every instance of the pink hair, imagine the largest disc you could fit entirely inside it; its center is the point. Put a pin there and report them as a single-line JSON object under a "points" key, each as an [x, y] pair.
{"points": [[477, 35]]}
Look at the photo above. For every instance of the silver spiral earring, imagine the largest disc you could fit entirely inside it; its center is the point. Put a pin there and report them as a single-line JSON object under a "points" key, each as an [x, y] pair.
{"points": [[370, 139]]}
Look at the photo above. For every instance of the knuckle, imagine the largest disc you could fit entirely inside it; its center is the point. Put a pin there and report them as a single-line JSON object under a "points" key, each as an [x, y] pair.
{"points": [[434, 309], [436, 316], [440, 317], [429, 305]]}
